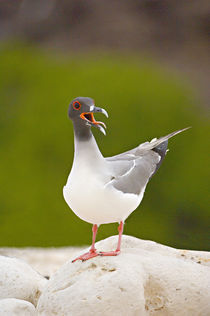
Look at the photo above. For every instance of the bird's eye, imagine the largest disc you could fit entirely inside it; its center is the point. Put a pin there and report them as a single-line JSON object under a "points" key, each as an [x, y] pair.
{"points": [[76, 105]]}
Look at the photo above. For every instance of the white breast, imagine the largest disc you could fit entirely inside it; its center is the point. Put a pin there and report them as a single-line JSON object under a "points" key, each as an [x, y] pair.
{"points": [[92, 200], [88, 195]]}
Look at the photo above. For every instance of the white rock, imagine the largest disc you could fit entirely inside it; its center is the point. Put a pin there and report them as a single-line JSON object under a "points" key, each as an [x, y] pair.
{"points": [[19, 280], [14, 307], [145, 279], [44, 260]]}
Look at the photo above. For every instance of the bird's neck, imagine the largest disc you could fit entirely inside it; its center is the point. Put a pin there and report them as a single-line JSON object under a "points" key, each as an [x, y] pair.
{"points": [[85, 146], [82, 132]]}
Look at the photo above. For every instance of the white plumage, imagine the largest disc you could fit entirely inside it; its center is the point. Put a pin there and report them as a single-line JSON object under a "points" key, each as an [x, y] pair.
{"points": [[89, 191], [106, 190]]}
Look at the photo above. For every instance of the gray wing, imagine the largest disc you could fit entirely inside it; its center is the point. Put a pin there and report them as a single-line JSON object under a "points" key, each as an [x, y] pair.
{"points": [[137, 175], [132, 170]]}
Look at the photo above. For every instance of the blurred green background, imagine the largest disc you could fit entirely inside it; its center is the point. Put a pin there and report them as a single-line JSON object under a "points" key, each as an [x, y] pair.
{"points": [[144, 100]]}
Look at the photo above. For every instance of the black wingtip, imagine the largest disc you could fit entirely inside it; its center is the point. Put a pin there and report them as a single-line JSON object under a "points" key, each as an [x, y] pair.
{"points": [[161, 150]]}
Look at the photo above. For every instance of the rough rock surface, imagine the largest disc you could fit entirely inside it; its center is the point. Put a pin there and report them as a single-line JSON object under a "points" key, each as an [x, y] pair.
{"points": [[18, 280], [14, 307], [145, 279]]}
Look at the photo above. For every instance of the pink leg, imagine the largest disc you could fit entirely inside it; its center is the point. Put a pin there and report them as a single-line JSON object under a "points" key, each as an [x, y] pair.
{"points": [[92, 252], [117, 251]]}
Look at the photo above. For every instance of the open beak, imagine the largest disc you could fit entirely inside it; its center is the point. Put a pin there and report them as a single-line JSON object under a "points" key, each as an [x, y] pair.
{"points": [[90, 119]]}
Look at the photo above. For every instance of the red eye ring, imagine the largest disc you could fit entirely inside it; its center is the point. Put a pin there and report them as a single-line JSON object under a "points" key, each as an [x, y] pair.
{"points": [[76, 105]]}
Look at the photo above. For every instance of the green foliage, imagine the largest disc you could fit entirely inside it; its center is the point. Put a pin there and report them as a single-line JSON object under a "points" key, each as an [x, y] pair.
{"points": [[36, 149]]}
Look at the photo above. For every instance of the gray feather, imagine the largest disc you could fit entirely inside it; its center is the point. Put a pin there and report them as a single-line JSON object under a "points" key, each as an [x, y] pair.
{"points": [[132, 170], [135, 179]]}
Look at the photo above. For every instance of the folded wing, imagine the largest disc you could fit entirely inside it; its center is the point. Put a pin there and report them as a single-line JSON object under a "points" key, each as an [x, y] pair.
{"points": [[132, 170]]}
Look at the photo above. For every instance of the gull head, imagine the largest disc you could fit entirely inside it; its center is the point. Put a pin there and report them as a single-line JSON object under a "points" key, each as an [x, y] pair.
{"points": [[81, 111]]}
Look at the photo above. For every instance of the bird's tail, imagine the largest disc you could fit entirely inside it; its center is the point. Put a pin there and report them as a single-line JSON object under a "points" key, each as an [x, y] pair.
{"points": [[161, 144], [154, 143]]}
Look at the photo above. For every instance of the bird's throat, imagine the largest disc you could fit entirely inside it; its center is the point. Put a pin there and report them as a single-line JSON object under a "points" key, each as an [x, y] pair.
{"points": [[82, 132]]}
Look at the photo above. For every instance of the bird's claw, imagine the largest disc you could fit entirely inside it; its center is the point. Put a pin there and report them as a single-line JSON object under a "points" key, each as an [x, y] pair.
{"points": [[86, 256], [109, 253]]}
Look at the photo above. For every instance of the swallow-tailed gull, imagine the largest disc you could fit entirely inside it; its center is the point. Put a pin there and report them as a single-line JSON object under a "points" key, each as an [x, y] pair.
{"points": [[103, 190]]}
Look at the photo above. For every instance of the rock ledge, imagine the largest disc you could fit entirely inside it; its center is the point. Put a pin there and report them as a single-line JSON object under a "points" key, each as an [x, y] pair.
{"points": [[145, 279]]}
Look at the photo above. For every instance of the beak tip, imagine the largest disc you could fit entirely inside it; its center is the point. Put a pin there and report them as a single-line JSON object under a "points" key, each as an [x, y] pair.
{"points": [[101, 129], [105, 113]]}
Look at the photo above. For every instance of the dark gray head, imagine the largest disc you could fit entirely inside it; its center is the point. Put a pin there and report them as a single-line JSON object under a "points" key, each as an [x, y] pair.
{"points": [[81, 111]]}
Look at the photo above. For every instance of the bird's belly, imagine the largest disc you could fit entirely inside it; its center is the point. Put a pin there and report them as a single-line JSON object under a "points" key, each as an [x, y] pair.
{"points": [[97, 204]]}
